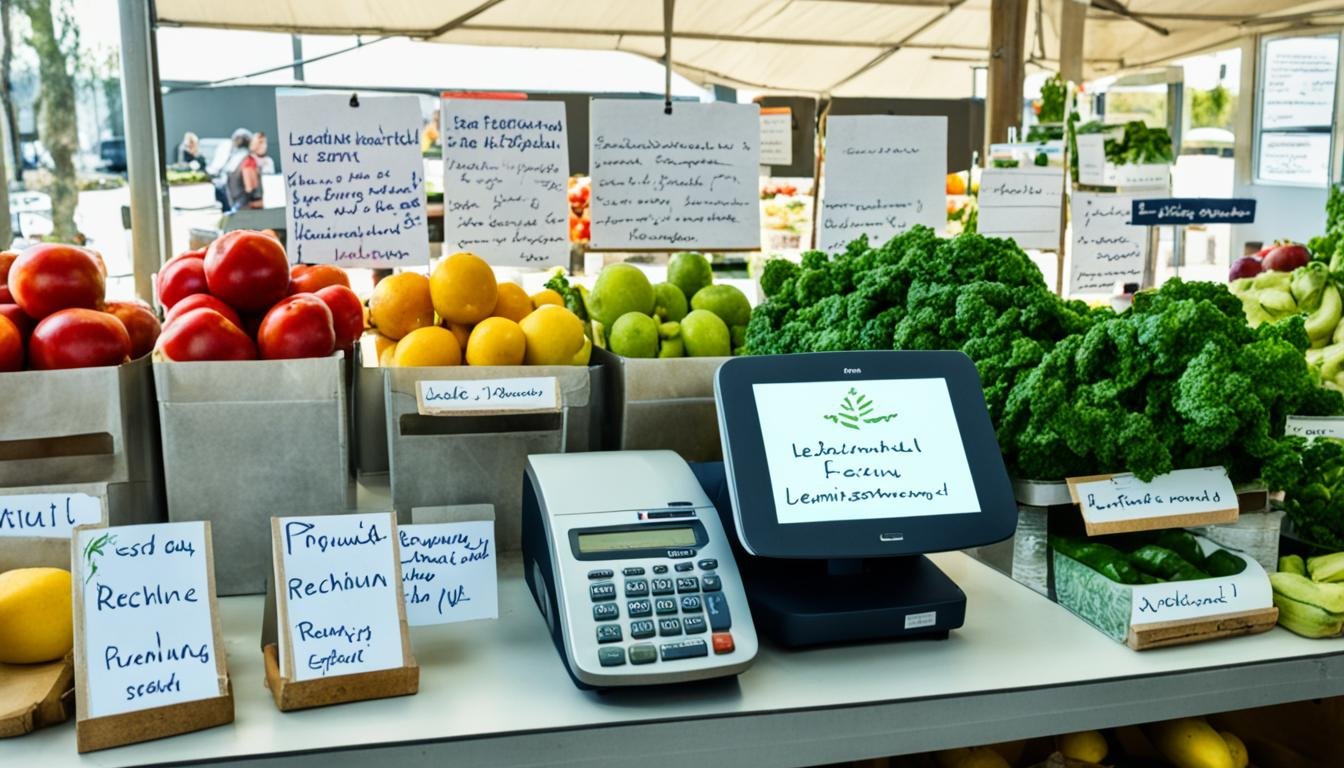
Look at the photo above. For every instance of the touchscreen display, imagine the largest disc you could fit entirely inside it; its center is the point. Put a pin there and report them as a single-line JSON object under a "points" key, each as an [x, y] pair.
{"points": [[863, 450], [648, 538]]}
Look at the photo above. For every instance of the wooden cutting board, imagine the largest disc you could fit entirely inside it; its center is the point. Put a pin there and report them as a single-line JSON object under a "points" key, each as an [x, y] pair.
{"points": [[35, 696]]}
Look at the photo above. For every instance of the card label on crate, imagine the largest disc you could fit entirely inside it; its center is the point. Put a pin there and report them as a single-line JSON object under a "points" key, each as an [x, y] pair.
{"points": [[48, 515], [1123, 503], [474, 396], [1312, 427], [338, 595], [448, 572], [1178, 600], [146, 626]]}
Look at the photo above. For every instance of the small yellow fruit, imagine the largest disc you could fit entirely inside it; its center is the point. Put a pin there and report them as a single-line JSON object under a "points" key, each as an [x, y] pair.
{"points": [[463, 288], [513, 302], [36, 617], [425, 347], [496, 341], [400, 304], [547, 296], [1088, 746], [584, 353], [387, 358], [1240, 757], [1190, 742], [462, 332], [554, 336], [380, 343]]}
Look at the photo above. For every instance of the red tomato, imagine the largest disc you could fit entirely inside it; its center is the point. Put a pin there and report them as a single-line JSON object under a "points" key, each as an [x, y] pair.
{"points": [[6, 259], [50, 277], [179, 279], [78, 338], [311, 278], [299, 326], [347, 313], [141, 324], [196, 254], [19, 318], [202, 301], [248, 270], [204, 334], [11, 346]]}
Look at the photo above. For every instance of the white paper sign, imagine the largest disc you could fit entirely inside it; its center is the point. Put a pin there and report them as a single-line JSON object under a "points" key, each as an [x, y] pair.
{"points": [[777, 138], [863, 450], [149, 638], [1312, 427], [1124, 497], [1295, 158], [1299, 82], [882, 175], [1106, 249], [1022, 203], [1093, 168], [448, 572], [688, 180], [535, 393], [1246, 591], [48, 515], [339, 594], [354, 181], [505, 166]]}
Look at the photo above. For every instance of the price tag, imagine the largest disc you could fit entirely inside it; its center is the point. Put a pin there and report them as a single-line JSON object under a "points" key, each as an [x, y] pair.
{"points": [[448, 572], [146, 625], [776, 136], [688, 180], [1107, 249], [883, 175], [48, 515], [1193, 210], [446, 398], [338, 595], [354, 180], [1177, 600], [505, 167], [1312, 427], [1023, 204], [1180, 499]]}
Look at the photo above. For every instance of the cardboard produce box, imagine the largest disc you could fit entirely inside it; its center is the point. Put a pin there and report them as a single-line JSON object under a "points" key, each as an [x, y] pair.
{"points": [[665, 404], [478, 456], [246, 440], [85, 425], [368, 417]]}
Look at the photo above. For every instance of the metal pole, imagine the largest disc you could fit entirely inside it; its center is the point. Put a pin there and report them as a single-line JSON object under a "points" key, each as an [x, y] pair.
{"points": [[6, 223], [140, 101]]}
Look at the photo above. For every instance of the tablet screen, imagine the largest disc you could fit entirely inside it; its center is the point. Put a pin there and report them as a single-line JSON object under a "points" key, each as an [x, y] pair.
{"points": [[863, 450]]}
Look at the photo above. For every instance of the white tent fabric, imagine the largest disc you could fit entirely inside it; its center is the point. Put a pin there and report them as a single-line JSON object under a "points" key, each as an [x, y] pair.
{"points": [[913, 48]]}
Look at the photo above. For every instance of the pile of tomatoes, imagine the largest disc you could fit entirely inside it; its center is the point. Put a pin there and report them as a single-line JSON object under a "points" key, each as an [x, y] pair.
{"points": [[580, 190]]}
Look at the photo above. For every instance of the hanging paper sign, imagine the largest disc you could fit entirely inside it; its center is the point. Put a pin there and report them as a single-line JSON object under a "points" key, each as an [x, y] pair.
{"points": [[1107, 249], [1299, 82], [688, 180], [354, 180], [882, 175], [448, 572], [1023, 204], [776, 136], [1192, 210], [505, 166]]}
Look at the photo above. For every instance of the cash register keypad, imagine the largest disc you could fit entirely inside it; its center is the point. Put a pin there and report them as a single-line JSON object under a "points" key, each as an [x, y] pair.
{"points": [[684, 605]]}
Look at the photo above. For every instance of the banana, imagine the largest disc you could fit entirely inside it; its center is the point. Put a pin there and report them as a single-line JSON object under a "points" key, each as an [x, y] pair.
{"points": [[1292, 564], [1327, 568], [1309, 608], [1189, 742]]}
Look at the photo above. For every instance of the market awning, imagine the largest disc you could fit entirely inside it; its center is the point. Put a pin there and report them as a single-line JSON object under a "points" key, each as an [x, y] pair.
{"points": [[916, 48]]}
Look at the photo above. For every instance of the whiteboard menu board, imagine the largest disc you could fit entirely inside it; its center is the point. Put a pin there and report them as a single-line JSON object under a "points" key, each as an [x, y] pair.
{"points": [[1296, 109]]}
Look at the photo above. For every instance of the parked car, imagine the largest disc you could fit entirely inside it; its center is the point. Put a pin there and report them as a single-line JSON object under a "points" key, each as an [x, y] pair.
{"points": [[112, 153]]}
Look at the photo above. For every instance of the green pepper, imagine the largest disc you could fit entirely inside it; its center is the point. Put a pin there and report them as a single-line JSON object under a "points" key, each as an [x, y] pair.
{"points": [[1165, 564], [1224, 563], [1184, 544], [1102, 558]]}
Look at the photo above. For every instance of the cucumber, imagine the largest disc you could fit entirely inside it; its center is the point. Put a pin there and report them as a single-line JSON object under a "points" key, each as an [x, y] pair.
{"points": [[1224, 563], [1184, 544], [1102, 558], [1164, 564], [1328, 597], [1293, 564]]}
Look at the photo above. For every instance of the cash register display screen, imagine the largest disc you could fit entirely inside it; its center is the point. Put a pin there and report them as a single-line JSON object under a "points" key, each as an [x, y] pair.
{"points": [[863, 450], [649, 538]]}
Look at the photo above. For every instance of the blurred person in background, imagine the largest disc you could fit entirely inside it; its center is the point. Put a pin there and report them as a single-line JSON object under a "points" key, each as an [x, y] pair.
{"points": [[189, 152], [244, 181], [226, 160]]}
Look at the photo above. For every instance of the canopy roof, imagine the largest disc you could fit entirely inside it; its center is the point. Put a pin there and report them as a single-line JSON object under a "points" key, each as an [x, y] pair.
{"points": [[915, 48]]}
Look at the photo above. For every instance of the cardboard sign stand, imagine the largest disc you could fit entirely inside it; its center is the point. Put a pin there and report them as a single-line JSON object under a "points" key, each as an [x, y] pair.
{"points": [[1228, 514], [1162, 634], [291, 695], [36, 696]]}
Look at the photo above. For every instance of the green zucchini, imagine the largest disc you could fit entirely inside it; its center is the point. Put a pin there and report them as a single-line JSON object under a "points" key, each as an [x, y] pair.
{"points": [[1293, 564], [1224, 563], [1164, 564], [1102, 558], [1184, 544]]}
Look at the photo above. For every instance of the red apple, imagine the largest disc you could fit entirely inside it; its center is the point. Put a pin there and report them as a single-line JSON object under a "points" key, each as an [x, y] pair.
{"points": [[78, 338], [1286, 257], [248, 270], [202, 301], [19, 318], [299, 326], [347, 313], [179, 279], [1246, 266], [141, 324], [49, 277], [204, 334]]}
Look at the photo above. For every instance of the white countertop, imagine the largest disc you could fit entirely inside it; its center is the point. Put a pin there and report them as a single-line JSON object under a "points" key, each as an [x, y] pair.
{"points": [[495, 693]]}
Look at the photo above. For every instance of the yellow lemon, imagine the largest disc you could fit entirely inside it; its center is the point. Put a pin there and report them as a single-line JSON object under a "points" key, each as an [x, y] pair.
{"points": [[496, 341], [1087, 746], [462, 332], [554, 336], [400, 304], [513, 302], [1240, 757], [380, 343], [425, 347], [463, 289], [36, 618], [388, 357], [585, 352], [547, 296]]}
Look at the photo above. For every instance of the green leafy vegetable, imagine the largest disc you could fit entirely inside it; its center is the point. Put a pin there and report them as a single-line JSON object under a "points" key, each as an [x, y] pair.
{"points": [[1315, 505]]}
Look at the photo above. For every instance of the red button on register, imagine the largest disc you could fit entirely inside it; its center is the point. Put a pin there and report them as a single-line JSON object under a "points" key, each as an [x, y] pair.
{"points": [[723, 642]]}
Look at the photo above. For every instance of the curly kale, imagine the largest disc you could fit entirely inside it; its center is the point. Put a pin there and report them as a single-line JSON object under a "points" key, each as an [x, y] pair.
{"points": [[1315, 505]]}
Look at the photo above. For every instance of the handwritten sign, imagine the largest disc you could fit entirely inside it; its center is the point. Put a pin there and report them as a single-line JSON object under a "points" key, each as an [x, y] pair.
{"points": [[1312, 427], [1183, 498], [48, 515], [1022, 203], [883, 175], [1193, 210], [688, 180], [1299, 82], [1294, 158], [445, 398], [1107, 249], [338, 592], [1173, 601], [354, 181], [448, 572], [147, 634], [776, 136], [1093, 168], [863, 450], [505, 165]]}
